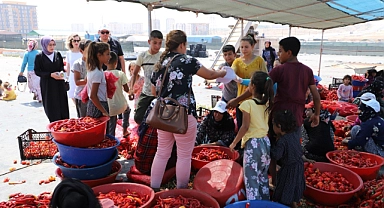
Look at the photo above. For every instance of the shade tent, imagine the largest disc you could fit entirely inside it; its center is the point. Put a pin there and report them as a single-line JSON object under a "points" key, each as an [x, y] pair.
{"points": [[313, 14]]}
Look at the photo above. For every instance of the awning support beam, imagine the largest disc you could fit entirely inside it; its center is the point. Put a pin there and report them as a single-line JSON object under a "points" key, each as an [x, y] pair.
{"points": [[150, 8], [321, 51]]}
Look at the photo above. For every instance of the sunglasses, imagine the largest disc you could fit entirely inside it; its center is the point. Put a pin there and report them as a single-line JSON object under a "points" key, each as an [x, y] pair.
{"points": [[76, 40], [104, 32]]}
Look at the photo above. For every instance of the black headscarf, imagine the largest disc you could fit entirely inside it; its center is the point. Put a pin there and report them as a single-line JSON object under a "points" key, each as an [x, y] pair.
{"points": [[366, 112], [224, 125], [72, 193], [375, 88]]}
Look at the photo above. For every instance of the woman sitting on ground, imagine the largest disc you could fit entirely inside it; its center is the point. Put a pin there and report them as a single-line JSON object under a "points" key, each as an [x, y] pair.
{"points": [[317, 141], [369, 135], [217, 128]]}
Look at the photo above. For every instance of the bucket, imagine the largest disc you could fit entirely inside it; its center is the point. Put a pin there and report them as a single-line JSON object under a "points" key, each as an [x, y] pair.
{"points": [[358, 83], [356, 93], [223, 180]]}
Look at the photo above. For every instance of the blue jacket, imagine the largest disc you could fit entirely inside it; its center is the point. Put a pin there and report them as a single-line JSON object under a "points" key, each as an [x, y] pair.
{"points": [[374, 128], [29, 58]]}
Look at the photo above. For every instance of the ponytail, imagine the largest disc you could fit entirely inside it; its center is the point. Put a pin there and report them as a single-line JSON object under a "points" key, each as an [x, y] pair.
{"points": [[264, 87], [93, 49], [173, 40], [250, 39], [92, 61]]}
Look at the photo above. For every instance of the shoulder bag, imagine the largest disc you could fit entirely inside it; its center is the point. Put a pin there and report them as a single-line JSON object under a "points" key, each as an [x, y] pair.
{"points": [[167, 117]]}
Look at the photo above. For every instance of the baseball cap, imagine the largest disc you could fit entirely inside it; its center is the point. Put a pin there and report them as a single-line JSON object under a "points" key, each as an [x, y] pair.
{"points": [[220, 106], [104, 27]]}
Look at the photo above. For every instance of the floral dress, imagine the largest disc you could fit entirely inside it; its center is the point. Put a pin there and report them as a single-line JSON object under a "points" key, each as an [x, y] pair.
{"points": [[178, 79]]}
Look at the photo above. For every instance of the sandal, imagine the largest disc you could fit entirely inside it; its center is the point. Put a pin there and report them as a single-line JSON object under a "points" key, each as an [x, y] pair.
{"points": [[34, 97]]}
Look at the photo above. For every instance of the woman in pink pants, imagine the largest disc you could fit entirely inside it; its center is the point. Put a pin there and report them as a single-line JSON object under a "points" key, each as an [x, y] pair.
{"points": [[177, 85]]}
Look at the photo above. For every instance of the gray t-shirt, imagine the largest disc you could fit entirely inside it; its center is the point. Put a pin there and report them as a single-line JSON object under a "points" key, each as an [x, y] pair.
{"points": [[147, 61], [80, 66], [230, 89], [97, 76]]}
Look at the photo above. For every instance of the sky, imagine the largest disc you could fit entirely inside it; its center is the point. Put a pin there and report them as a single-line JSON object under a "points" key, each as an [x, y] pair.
{"points": [[104, 12]]}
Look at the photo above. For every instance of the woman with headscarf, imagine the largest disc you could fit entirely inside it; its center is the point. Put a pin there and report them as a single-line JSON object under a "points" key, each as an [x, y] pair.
{"points": [[33, 80], [72, 193], [369, 135], [48, 66], [269, 55], [376, 88], [317, 141], [217, 128]]}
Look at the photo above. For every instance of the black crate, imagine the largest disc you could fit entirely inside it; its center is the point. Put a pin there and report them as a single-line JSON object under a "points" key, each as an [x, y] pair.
{"points": [[36, 145], [214, 99], [337, 81]]}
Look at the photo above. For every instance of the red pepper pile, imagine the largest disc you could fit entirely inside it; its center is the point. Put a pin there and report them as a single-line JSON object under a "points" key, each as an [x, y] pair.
{"points": [[372, 194], [107, 142], [179, 201], [338, 144], [75, 124], [128, 145], [358, 78], [59, 161], [352, 159], [326, 181], [27, 200], [210, 155], [40, 149], [130, 199]]}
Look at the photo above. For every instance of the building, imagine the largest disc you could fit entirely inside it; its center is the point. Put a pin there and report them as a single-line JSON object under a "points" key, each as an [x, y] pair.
{"points": [[199, 29], [156, 24], [18, 17], [136, 28], [169, 24], [181, 26], [77, 27]]}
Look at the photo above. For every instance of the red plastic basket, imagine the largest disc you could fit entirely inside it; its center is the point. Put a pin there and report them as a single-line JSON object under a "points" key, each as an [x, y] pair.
{"points": [[365, 173], [333, 198]]}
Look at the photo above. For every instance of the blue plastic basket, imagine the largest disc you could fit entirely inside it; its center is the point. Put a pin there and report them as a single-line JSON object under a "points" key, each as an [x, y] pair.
{"points": [[356, 93], [86, 156], [87, 173], [256, 204], [358, 83]]}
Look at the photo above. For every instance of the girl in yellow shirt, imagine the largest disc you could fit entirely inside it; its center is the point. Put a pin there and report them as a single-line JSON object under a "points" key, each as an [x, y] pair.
{"points": [[244, 67], [253, 136], [9, 93]]}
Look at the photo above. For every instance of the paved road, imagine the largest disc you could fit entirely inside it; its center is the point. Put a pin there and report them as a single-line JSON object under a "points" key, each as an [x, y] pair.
{"points": [[24, 113]]}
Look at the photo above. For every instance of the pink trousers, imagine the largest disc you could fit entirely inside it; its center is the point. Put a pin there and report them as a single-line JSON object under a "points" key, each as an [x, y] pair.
{"points": [[185, 144]]}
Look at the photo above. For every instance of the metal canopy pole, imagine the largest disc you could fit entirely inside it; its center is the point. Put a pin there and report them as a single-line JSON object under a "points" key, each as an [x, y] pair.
{"points": [[150, 8], [289, 31], [242, 28], [321, 51]]}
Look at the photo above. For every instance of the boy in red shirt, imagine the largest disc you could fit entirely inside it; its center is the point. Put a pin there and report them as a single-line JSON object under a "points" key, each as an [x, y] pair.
{"points": [[293, 79]]}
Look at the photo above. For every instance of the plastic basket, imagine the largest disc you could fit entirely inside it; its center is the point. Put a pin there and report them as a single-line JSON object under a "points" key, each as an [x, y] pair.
{"points": [[36, 145]]}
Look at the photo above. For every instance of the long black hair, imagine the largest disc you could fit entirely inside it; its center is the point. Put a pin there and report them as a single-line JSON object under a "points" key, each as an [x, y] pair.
{"points": [[285, 119]]}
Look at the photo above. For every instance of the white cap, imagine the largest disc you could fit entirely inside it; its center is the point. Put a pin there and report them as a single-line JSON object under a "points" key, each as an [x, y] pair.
{"points": [[220, 106], [367, 96], [104, 27]]}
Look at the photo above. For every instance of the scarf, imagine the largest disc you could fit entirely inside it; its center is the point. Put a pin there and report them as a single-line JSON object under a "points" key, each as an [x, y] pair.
{"points": [[44, 44], [72, 193], [32, 45], [325, 116], [224, 125], [375, 88], [366, 112]]}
